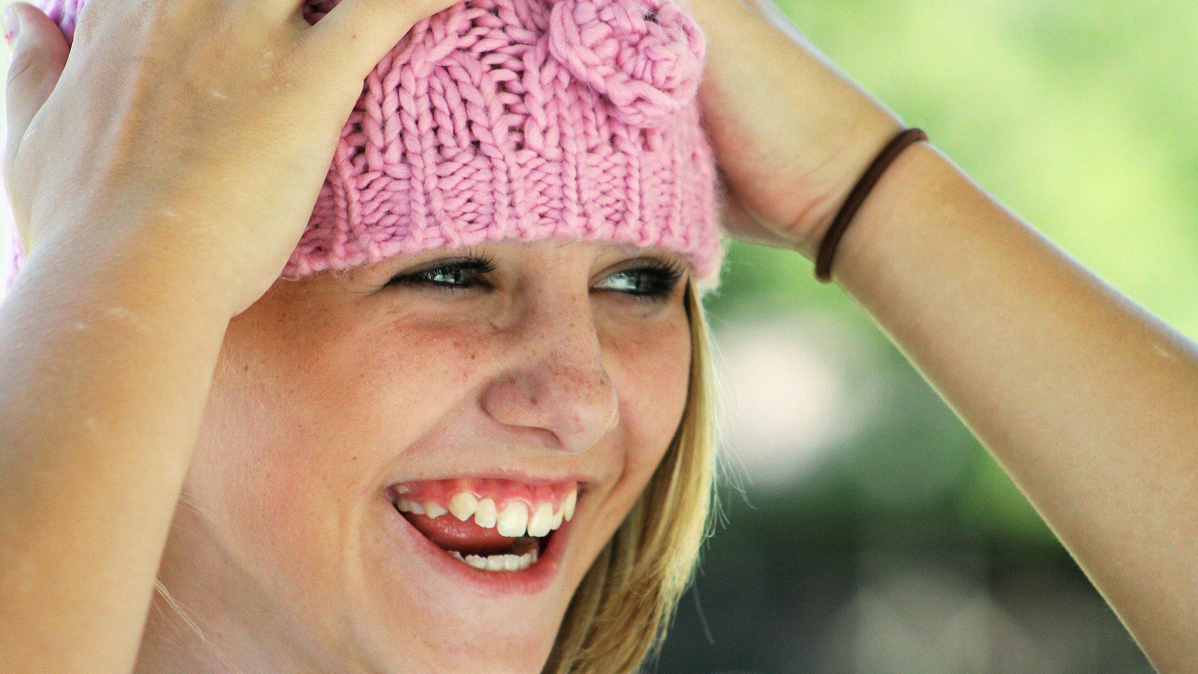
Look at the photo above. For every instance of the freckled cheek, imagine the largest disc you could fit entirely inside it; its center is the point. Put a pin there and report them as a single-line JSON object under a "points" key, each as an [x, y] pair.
{"points": [[305, 451], [649, 369], [653, 377], [421, 359]]}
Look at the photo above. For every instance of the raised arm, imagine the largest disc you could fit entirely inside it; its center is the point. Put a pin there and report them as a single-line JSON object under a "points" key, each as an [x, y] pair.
{"points": [[105, 366], [156, 201], [1087, 401]]}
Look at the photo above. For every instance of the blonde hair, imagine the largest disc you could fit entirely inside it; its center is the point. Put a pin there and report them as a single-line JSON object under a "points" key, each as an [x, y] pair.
{"points": [[620, 614]]}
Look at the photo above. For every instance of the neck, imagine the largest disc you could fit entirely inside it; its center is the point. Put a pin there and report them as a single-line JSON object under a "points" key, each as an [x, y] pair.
{"points": [[208, 616]]}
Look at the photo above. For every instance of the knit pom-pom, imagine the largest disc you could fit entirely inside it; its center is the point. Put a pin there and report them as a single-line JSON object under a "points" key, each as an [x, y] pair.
{"points": [[644, 56]]}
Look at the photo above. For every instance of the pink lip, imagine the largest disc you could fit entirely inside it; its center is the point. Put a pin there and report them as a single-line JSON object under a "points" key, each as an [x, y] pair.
{"points": [[532, 580], [513, 475]]}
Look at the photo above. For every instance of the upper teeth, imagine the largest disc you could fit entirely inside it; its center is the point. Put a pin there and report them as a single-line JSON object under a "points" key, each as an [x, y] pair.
{"points": [[463, 505], [514, 520], [540, 524]]}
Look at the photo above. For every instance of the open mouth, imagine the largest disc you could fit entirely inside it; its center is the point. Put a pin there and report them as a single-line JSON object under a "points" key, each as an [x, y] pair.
{"points": [[488, 524]]}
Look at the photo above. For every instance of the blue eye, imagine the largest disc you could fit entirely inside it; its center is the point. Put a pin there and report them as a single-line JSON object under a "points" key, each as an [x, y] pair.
{"points": [[654, 280], [454, 275]]}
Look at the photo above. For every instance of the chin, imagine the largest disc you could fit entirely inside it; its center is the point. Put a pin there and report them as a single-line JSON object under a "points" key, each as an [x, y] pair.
{"points": [[471, 585]]}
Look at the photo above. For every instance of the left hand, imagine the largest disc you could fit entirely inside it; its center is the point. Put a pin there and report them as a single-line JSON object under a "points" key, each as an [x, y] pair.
{"points": [[791, 133]]}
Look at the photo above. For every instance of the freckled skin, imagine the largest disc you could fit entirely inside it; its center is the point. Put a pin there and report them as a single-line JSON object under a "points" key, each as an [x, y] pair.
{"points": [[331, 388]]}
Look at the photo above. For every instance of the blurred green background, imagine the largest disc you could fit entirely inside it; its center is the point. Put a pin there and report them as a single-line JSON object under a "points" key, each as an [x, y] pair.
{"points": [[863, 529]]}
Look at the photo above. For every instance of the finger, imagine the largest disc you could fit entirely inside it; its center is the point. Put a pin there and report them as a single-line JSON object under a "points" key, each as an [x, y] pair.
{"points": [[39, 56], [359, 33]]}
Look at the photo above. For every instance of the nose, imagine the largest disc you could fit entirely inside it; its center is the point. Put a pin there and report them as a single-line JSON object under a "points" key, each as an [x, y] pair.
{"points": [[555, 381]]}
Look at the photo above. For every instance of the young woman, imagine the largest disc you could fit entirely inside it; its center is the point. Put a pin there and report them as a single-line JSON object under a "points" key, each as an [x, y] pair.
{"points": [[274, 455]]}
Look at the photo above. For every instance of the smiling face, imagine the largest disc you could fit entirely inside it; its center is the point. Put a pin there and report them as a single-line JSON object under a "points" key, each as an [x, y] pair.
{"points": [[558, 368]]}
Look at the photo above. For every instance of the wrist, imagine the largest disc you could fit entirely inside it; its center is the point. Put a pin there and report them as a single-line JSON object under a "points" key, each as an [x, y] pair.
{"points": [[919, 184], [146, 269], [836, 127], [850, 149]]}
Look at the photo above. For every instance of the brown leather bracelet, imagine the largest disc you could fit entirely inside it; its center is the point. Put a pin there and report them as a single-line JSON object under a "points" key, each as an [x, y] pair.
{"points": [[827, 247]]}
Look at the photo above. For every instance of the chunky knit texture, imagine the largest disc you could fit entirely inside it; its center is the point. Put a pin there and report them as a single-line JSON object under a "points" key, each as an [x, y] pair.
{"points": [[516, 119]]}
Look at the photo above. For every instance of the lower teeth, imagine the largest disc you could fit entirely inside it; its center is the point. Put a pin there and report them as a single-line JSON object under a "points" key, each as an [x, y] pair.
{"points": [[499, 562]]}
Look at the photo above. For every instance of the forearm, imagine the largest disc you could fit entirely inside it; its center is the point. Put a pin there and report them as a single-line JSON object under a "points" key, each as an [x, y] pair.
{"points": [[104, 375], [1086, 400]]}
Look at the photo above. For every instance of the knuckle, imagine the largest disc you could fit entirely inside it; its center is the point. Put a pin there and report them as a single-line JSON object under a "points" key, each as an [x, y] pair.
{"points": [[237, 51], [321, 69], [23, 64]]}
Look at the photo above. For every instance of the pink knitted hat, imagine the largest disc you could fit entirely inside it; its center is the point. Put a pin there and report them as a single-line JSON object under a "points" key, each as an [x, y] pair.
{"points": [[524, 119]]}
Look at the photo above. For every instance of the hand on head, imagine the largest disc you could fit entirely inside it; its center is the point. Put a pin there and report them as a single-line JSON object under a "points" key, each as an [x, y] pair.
{"points": [[168, 129]]}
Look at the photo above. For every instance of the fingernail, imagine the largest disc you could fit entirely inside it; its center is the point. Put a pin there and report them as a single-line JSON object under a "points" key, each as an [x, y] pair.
{"points": [[11, 24]]}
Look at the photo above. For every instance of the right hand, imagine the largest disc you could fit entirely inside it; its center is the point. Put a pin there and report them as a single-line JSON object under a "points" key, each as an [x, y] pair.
{"points": [[207, 126], [792, 134]]}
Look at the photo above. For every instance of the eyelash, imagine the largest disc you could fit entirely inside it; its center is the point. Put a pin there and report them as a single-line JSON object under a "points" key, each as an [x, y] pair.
{"points": [[660, 276]]}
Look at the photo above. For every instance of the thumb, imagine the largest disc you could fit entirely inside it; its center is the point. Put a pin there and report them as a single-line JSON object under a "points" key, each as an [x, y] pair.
{"points": [[363, 32], [39, 54]]}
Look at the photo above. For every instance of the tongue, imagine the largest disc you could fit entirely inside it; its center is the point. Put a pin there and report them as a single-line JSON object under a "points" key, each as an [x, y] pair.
{"points": [[450, 533]]}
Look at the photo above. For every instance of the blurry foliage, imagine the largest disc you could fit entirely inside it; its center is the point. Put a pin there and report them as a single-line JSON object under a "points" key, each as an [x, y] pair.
{"points": [[1080, 118]]}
